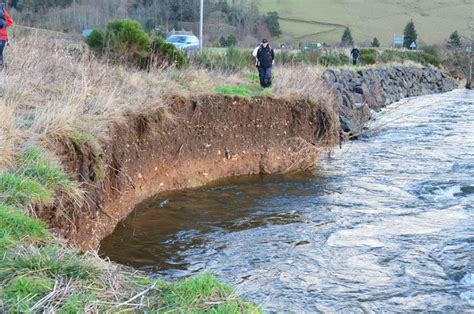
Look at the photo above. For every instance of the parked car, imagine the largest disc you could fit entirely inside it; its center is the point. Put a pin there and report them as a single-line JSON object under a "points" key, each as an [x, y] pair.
{"points": [[188, 43]]}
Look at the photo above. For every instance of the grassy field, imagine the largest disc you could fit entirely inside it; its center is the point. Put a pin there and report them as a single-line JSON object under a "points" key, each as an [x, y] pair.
{"points": [[307, 20]]}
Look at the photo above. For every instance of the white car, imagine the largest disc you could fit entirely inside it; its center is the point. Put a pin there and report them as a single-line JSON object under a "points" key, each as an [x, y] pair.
{"points": [[187, 43]]}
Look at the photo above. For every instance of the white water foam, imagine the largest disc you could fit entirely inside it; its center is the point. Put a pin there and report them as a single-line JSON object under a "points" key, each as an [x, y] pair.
{"points": [[468, 281]]}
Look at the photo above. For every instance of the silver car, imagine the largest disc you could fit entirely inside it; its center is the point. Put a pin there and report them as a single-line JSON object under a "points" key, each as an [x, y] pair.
{"points": [[188, 43]]}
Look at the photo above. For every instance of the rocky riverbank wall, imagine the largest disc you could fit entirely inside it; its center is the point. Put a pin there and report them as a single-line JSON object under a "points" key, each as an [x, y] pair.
{"points": [[360, 91]]}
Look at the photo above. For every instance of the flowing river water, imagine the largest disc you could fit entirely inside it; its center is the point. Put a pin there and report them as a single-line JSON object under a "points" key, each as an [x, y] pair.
{"points": [[384, 224]]}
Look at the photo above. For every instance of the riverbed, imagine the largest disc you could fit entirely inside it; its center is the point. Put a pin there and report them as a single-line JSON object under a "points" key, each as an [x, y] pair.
{"points": [[383, 224]]}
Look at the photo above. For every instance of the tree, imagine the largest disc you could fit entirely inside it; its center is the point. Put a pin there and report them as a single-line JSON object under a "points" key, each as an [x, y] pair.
{"points": [[454, 40], [228, 42], [410, 35], [39, 5], [126, 41], [375, 43], [271, 20], [347, 38]]}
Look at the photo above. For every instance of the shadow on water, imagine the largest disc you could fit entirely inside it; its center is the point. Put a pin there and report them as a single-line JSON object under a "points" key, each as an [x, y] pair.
{"points": [[385, 224]]}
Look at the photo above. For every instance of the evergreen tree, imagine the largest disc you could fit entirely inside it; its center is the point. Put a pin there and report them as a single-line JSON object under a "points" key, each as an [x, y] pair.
{"points": [[375, 43], [347, 38], [273, 23], [229, 41], [454, 40], [410, 34]]}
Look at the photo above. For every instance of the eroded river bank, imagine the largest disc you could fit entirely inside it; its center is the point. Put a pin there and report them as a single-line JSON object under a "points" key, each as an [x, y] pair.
{"points": [[386, 223]]}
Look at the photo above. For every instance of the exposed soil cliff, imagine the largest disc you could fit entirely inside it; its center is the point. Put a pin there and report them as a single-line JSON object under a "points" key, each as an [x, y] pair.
{"points": [[206, 138]]}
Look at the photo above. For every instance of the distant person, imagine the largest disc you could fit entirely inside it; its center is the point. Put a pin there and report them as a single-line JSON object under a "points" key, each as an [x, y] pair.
{"points": [[5, 21], [355, 55], [265, 56]]}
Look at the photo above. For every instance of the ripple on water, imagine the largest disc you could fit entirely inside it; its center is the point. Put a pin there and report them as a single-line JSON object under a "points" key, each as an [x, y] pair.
{"points": [[372, 234], [440, 192]]}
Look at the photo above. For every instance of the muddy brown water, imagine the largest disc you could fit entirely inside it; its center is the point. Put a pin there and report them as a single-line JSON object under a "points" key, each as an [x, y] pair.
{"points": [[384, 224]]}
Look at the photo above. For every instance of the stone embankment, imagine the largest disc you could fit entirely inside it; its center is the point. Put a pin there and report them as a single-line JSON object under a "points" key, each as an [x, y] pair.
{"points": [[359, 92]]}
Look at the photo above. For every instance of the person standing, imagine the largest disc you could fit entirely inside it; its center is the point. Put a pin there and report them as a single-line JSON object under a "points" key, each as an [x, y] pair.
{"points": [[355, 55], [5, 22], [265, 56]]}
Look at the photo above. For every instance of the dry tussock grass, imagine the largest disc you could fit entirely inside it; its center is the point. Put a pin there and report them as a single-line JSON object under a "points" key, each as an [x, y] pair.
{"points": [[307, 82], [8, 136], [54, 94], [302, 154], [301, 81], [54, 89]]}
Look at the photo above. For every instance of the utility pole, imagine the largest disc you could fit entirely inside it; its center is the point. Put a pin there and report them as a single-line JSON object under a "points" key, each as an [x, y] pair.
{"points": [[201, 26]]}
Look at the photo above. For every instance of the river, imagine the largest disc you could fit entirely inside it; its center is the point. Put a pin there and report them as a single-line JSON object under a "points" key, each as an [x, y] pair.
{"points": [[384, 224]]}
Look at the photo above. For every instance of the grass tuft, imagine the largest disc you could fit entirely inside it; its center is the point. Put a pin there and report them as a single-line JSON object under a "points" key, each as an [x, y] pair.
{"points": [[203, 293], [5, 240], [80, 139], [239, 91], [194, 290], [22, 292], [51, 260], [39, 168], [18, 190], [15, 224], [76, 303]]}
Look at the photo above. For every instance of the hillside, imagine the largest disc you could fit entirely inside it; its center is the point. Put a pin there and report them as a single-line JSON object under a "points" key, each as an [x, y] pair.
{"points": [[324, 20]]}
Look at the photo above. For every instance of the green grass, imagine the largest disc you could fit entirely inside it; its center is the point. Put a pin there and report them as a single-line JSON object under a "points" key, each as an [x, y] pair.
{"points": [[239, 91], [50, 261], [18, 190], [198, 294], [434, 20], [76, 303], [80, 139], [231, 60], [246, 92], [36, 183], [36, 167], [23, 292], [194, 290], [15, 224], [252, 78], [424, 58]]}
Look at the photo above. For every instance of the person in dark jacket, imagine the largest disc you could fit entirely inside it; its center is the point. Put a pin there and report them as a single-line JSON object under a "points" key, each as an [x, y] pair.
{"points": [[355, 55], [265, 58], [5, 21]]}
